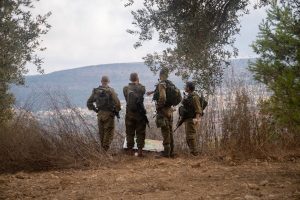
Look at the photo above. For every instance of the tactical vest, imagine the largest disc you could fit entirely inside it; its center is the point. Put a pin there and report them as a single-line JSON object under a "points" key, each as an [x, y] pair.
{"points": [[104, 101], [134, 97]]}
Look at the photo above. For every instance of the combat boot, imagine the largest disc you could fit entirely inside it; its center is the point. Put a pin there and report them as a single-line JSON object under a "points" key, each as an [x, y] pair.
{"points": [[193, 147], [105, 148], [162, 155], [165, 153], [194, 153], [129, 151], [140, 152], [173, 155]]}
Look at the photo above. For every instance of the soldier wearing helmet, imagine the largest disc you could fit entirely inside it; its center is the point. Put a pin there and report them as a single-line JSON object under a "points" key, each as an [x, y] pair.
{"points": [[104, 101]]}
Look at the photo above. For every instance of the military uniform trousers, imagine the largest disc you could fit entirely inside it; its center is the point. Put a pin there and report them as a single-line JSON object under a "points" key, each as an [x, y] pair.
{"points": [[106, 124], [135, 126], [165, 122], [190, 131]]}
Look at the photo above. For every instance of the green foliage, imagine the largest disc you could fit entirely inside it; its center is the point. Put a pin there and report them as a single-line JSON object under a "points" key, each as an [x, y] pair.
{"points": [[6, 101], [19, 40], [278, 45], [200, 35]]}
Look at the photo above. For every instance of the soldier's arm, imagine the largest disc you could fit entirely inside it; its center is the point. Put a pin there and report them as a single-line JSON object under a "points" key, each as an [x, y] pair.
{"points": [[150, 93], [143, 90], [197, 106], [125, 92], [162, 94], [116, 100], [90, 102]]}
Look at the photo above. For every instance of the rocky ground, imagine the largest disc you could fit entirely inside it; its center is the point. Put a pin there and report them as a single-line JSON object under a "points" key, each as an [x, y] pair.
{"points": [[149, 178]]}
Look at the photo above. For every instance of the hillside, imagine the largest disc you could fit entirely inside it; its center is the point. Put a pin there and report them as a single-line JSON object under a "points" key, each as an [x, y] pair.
{"points": [[78, 83]]}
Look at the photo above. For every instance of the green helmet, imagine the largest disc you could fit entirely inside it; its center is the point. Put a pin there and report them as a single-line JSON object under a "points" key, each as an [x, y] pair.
{"points": [[105, 79], [190, 85], [134, 77], [164, 72]]}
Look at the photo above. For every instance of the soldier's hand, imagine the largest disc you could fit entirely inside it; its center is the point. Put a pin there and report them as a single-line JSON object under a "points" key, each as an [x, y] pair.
{"points": [[196, 121], [96, 110], [149, 93]]}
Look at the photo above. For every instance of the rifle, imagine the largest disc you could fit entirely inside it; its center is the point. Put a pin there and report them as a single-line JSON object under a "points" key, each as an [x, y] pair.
{"points": [[181, 118], [142, 111], [146, 120], [116, 113], [179, 123], [96, 110]]}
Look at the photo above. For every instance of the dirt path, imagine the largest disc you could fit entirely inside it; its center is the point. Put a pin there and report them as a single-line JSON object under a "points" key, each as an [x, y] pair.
{"points": [[148, 178]]}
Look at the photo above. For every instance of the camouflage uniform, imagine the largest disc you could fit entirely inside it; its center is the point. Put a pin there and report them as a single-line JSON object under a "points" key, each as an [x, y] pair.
{"points": [[106, 116], [193, 106], [135, 124], [164, 120]]}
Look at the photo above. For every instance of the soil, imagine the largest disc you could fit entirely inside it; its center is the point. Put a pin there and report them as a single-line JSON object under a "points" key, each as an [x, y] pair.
{"points": [[150, 178]]}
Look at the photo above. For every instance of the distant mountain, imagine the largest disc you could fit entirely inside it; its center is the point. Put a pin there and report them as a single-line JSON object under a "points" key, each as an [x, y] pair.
{"points": [[78, 83]]}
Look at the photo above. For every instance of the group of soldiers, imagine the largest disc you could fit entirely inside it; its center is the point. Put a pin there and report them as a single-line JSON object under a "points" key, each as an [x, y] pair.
{"points": [[104, 101]]}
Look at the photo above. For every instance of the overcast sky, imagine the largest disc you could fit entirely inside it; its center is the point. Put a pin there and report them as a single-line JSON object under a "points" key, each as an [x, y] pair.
{"points": [[94, 32]]}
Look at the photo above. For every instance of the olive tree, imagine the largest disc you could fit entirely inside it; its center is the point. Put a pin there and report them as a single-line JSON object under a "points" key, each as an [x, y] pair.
{"points": [[200, 35], [20, 33]]}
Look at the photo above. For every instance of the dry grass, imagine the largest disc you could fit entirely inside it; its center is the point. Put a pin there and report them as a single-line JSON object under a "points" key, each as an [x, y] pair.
{"points": [[232, 125], [61, 141], [235, 125], [244, 130]]}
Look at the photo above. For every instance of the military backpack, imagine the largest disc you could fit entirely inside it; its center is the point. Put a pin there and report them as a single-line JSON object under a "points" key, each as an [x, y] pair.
{"points": [[203, 102], [103, 99], [173, 95], [187, 109], [134, 98]]}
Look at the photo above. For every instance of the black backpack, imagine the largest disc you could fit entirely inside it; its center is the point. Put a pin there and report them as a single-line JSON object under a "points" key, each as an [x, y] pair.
{"points": [[173, 95], [187, 111]]}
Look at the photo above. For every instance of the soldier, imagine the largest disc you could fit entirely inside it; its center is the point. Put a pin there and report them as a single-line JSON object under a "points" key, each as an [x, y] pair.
{"points": [[107, 105], [136, 118], [164, 117], [193, 109]]}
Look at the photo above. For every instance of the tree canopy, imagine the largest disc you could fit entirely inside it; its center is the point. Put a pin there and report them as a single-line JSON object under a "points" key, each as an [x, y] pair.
{"points": [[20, 33], [200, 34]]}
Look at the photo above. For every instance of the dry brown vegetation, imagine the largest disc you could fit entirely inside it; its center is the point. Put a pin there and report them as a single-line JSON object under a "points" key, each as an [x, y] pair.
{"points": [[232, 126], [63, 140], [235, 125]]}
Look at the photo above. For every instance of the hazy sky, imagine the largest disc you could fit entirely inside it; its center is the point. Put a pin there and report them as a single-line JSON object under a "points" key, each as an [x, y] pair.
{"points": [[94, 32]]}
